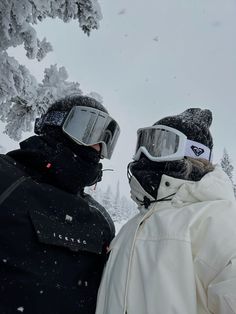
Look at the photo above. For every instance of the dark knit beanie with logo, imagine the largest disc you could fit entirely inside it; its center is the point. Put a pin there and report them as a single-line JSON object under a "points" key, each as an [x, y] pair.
{"points": [[194, 123]]}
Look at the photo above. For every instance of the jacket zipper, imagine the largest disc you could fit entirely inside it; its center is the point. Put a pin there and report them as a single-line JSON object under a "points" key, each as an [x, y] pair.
{"points": [[131, 256]]}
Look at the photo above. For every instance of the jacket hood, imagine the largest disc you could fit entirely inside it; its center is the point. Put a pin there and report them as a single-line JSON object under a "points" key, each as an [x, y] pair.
{"points": [[215, 185]]}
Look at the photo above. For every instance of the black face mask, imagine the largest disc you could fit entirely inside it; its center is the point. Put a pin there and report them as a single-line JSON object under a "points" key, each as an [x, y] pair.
{"points": [[87, 166], [148, 173], [76, 172]]}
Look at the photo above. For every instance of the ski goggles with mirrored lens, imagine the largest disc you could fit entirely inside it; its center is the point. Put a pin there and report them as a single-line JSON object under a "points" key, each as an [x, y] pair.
{"points": [[163, 143], [86, 126], [89, 126]]}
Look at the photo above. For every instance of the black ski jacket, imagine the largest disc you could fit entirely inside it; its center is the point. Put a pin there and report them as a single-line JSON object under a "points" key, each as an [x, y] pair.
{"points": [[52, 246]]}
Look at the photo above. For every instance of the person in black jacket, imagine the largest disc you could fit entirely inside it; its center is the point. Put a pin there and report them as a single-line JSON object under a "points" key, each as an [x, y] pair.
{"points": [[53, 236]]}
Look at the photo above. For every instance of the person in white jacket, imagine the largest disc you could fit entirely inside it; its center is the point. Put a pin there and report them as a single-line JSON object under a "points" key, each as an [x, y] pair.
{"points": [[178, 255]]}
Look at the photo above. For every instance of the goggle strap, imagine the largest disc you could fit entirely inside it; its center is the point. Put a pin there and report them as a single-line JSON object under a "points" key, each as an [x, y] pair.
{"points": [[55, 118], [197, 150]]}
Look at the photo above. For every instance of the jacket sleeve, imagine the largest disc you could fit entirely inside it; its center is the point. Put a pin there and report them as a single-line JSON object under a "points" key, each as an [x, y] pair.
{"points": [[222, 291]]}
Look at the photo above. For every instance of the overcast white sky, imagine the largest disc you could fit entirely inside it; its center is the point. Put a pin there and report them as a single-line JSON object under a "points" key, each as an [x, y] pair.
{"points": [[150, 59]]}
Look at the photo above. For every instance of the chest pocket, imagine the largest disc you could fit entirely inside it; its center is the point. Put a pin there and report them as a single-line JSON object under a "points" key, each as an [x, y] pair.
{"points": [[74, 236]]}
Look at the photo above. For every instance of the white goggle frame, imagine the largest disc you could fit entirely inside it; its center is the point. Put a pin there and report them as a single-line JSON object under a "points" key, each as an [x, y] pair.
{"points": [[184, 147]]}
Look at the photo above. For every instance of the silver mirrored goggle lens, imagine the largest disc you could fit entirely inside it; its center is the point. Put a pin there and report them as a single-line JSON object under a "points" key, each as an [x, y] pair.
{"points": [[89, 126], [157, 142]]}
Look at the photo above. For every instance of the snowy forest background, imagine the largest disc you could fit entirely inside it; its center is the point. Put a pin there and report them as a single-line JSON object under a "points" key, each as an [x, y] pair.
{"points": [[23, 98]]}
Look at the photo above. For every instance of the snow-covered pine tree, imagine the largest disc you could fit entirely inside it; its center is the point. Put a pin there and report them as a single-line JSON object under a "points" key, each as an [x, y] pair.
{"points": [[227, 165], [128, 208], [228, 168], [119, 207], [108, 200], [21, 97], [116, 206]]}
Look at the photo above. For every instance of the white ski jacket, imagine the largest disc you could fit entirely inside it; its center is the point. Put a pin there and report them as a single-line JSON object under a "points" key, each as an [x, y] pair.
{"points": [[177, 257]]}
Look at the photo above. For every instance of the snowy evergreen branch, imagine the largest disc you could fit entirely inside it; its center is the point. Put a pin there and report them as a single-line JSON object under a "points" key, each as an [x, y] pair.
{"points": [[17, 18], [22, 98]]}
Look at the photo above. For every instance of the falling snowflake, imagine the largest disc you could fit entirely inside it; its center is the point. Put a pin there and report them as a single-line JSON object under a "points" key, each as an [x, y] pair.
{"points": [[121, 12], [68, 218]]}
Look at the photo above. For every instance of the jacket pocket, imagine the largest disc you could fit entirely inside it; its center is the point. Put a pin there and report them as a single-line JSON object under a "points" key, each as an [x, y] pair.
{"points": [[73, 236]]}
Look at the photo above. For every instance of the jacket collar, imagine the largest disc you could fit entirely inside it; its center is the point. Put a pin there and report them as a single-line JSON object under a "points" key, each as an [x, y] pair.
{"points": [[49, 161], [168, 187]]}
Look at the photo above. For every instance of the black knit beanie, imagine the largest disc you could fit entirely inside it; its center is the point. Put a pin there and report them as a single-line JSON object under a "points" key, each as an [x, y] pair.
{"points": [[55, 132], [65, 105], [194, 123]]}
